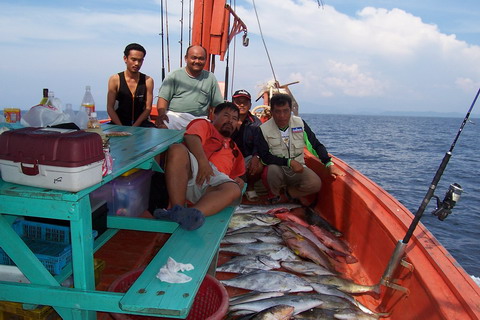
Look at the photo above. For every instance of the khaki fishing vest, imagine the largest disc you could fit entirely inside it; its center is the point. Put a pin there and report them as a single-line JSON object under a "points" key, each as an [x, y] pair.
{"points": [[277, 147]]}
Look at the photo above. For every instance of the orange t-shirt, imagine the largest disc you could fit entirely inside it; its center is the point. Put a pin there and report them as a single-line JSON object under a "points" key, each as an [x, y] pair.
{"points": [[219, 150]]}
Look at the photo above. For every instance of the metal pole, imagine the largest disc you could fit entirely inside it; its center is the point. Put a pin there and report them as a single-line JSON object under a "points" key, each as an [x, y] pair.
{"points": [[161, 33], [181, 34]]}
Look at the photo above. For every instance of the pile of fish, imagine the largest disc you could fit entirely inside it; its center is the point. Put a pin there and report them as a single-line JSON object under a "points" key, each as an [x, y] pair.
{"points": [[293, 269]]}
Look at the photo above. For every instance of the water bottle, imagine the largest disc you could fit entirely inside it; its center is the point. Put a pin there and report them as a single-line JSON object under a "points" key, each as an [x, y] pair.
{"points": [[69, 112], [53, 101], [50, 97], [88, 103]]}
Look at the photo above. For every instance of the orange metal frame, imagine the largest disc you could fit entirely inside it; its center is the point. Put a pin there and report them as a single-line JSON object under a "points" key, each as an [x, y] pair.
{"points": [[210, 28]]}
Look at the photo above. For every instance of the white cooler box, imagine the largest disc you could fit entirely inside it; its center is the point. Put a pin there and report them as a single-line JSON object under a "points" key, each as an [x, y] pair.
{"points": [[59, 159]]}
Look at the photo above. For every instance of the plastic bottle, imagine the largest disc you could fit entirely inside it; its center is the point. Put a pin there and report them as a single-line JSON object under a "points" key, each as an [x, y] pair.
{"points": [[53, 101], [45, 96], [88, 103], [50, 97], [69, 112]]}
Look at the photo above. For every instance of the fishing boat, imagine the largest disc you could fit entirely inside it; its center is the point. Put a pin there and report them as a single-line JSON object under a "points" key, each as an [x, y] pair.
{"points": [[421, 280], [428, 283]]}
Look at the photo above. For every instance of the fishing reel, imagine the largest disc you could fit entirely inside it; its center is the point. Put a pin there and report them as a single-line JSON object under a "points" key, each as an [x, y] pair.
{"points": [[444, 208]]}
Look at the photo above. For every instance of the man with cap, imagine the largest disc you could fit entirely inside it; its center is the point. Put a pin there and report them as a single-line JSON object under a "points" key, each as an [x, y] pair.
{"points": [[244, 137]]}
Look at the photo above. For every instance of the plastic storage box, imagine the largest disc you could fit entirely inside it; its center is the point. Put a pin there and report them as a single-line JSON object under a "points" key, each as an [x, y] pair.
{"points": [[125, 196], [50, 243], [59, 159]]}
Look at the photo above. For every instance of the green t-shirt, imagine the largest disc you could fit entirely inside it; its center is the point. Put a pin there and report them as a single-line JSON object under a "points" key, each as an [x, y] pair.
{"points": [[191, 95]]}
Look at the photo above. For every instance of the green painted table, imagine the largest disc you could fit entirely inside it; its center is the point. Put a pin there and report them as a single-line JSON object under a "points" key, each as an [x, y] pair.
{"points": [[82, 301]]}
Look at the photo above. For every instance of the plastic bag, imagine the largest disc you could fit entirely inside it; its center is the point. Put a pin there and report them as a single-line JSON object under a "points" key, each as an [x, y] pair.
{"points": [[43, 115]]}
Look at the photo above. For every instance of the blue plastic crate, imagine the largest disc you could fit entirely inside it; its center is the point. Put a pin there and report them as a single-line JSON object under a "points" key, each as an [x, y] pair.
{"points": [[50, 244], [42, 231]]}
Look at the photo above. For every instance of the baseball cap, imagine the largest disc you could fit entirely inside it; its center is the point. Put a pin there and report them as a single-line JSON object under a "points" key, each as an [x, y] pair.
{"points": [[242, 93]]}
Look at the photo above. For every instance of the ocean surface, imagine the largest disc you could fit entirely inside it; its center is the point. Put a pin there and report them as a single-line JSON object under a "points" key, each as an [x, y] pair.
{"points": [[402, 155]]}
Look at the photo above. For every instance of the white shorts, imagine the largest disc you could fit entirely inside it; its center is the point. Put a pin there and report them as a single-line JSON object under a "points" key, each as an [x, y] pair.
{"points": [[195, 191], [179, 120]]}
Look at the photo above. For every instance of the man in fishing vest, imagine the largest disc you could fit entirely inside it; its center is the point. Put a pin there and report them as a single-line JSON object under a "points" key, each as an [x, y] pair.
{"points": [[187, 93], [130, 93], [245, 137], [281, 147], [205, 170]]}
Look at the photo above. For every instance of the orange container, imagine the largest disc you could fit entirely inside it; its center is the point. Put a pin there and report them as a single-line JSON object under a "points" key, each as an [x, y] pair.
{"points": [[12, 115]]}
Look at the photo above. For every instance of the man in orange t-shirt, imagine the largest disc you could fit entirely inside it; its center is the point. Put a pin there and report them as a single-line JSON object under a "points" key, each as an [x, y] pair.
{"points": [[205, 170]]}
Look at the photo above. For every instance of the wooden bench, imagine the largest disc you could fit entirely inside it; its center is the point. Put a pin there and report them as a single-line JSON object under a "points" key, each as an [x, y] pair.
{"points": [[199, 247]]}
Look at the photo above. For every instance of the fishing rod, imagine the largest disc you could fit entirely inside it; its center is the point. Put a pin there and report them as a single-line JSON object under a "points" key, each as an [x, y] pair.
{"points": [[161, 33], [442, 211], [181, 34], [168, 37]]}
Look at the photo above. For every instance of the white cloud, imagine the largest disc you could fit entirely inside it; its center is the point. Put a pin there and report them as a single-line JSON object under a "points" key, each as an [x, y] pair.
{"points": [[350, 80], [63, 24], [385, 56], [467, 84]]}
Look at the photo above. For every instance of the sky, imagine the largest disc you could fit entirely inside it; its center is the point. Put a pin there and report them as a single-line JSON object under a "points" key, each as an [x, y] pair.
{"points": [[349, 56]]}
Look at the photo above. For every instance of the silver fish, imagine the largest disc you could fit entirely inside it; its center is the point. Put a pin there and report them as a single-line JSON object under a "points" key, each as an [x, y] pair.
{"points": [[253, 296], [250, 219], [246, 264], [276, 252], [333, 291], [328, 314], [256, 248], [301, 303], [278, 312], [264, 229], [344, 285], [284, 254], [250, 237], [268, 281], [306, 268]]}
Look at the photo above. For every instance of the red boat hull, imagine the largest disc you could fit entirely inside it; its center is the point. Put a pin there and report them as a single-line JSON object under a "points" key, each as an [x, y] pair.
{"points": [[372, 221]]}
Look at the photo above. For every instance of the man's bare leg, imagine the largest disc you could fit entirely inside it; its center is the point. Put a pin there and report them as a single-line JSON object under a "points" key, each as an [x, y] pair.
{"points": [[177, 173], [217, 198]]}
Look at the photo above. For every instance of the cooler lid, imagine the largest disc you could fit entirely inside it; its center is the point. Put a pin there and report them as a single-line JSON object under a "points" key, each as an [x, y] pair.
{"points": [[51, 146]]}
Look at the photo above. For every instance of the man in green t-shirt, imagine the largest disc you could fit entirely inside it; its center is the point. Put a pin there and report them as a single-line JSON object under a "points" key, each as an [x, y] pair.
{"points": [[187, 93]]}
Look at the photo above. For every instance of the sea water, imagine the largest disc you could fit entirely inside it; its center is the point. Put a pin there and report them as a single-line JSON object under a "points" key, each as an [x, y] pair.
{"points": [[402, 155]]}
